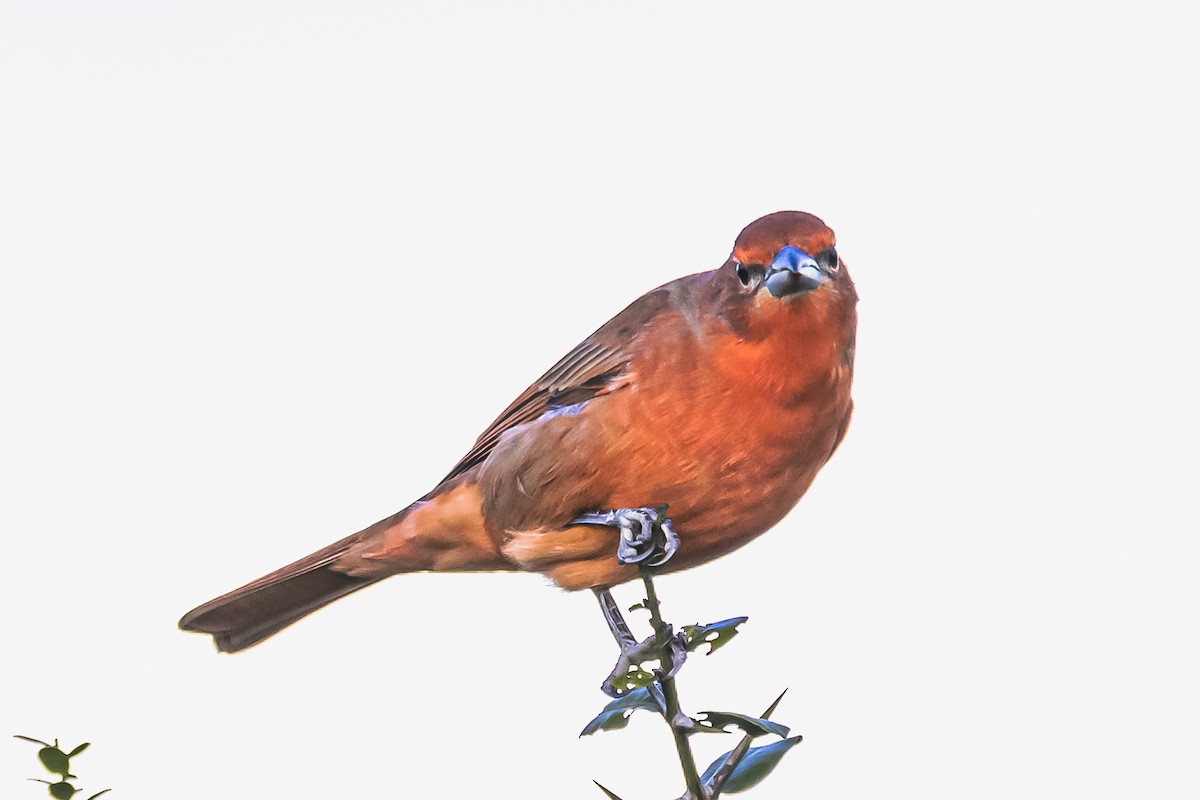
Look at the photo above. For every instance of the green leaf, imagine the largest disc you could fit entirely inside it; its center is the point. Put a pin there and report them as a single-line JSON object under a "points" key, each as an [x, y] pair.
{"points": [[62, 790], [97, 794], [35, 741], [79, 749], [611, 795], [635, 678], [55, 760], [714, 634], [616, 714], [752, 726], [754, 766]]}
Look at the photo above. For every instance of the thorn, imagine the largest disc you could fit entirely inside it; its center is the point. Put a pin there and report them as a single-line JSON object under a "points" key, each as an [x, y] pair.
{"points": [[611, 795], [767, 714]]}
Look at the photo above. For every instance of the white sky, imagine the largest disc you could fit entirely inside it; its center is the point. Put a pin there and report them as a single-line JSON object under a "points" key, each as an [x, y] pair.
{"points": [[269, 268]]}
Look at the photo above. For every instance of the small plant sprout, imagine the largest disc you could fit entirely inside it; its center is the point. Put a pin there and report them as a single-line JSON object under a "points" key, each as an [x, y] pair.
{"points": [[58, 761]]}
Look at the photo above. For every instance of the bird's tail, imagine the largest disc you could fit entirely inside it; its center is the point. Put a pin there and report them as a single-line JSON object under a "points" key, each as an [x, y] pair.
{"points": [[262, 608], [444, 531]]}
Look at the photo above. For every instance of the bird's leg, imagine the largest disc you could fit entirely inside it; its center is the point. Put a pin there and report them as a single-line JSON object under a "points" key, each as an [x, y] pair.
{"points": [[616, 622], [646, 538], [647, 534]]}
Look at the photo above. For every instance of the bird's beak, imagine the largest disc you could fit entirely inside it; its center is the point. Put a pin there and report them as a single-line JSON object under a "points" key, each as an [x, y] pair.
{"points": [[792, 272]]}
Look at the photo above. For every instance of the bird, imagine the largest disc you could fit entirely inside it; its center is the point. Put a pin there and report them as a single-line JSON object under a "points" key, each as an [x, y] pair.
{"points": [[687, 425]]}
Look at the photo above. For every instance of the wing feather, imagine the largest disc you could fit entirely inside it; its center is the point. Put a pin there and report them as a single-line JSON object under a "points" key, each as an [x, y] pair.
{"points": [[596, 366]]}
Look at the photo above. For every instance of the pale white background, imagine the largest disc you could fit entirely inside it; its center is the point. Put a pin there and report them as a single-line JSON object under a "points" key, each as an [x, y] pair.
{"points": [[268, 268]]}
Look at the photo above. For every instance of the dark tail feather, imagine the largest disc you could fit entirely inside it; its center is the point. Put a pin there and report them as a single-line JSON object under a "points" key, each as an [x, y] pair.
{"points": [[246, 616]]}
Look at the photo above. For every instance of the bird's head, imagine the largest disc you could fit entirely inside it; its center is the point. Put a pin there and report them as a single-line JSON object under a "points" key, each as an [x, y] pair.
{"points": [[786, 257]]}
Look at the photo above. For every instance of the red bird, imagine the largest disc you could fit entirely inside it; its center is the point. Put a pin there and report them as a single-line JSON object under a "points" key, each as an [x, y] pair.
{"points": [[720, 394]]}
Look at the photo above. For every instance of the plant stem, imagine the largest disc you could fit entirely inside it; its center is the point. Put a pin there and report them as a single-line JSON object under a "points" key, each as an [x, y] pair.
{"points": [[672, 713]]}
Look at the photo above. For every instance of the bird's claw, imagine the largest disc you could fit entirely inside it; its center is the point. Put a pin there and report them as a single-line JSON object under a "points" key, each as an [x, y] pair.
{"points": [[647, 534], [628, 674]]}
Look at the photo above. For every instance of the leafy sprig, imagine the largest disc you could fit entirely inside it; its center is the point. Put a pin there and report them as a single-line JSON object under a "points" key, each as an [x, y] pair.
{"points": [[644, 680]]}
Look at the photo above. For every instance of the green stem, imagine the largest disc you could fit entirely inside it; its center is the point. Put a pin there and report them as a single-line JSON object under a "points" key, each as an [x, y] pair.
{"points": [[672, 713]]}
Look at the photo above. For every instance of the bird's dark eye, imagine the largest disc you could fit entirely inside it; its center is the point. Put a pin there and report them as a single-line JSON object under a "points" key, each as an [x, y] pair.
{"points": [[828, 258], [743, 275]]}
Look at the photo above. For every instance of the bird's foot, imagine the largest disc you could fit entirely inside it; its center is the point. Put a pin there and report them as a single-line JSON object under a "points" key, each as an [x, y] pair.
{"points": [[630, 671], [647, 534]]}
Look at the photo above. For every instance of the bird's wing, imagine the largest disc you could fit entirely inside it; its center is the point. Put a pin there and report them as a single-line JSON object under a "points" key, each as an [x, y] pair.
{"points": [[593, 368]]}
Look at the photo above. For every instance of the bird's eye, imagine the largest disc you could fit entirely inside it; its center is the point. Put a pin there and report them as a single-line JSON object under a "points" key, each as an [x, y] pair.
{"points": [[743, 275], [828, 258]]}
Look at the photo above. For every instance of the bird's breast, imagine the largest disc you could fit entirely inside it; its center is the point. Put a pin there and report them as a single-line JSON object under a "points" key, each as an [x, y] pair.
{"points": [[730, 432]]}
